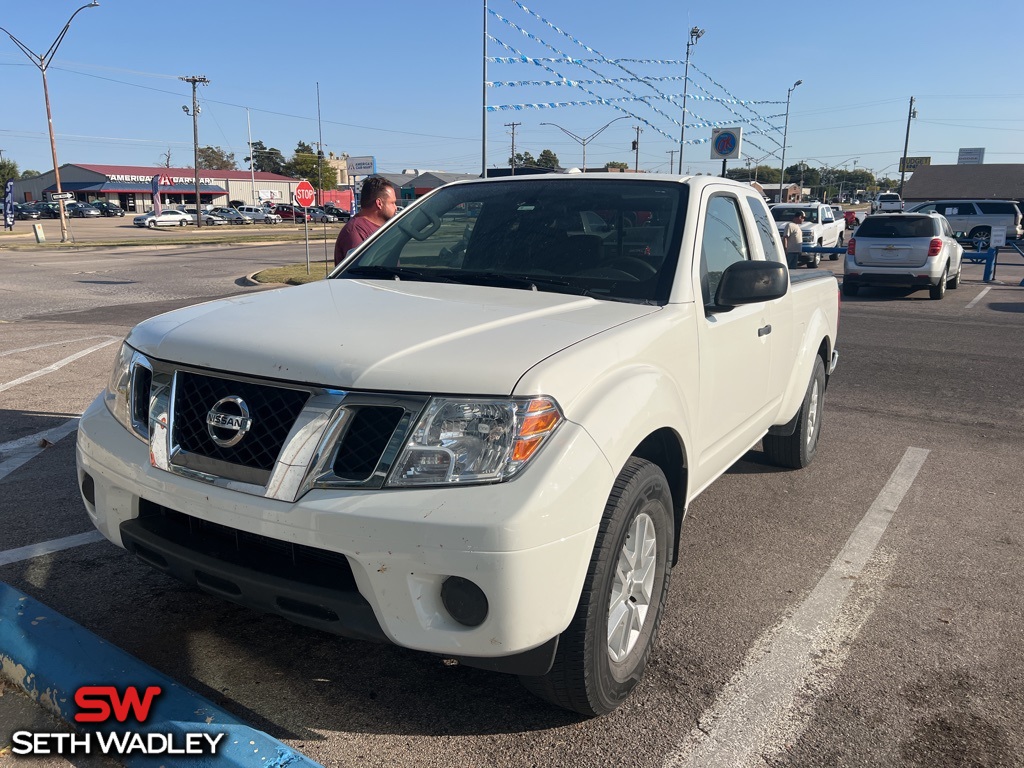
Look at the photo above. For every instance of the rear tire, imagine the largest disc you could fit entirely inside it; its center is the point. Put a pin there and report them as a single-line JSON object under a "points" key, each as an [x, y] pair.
{"points": [[796, 451], [850, 289], [936, 292], [603, 653]]}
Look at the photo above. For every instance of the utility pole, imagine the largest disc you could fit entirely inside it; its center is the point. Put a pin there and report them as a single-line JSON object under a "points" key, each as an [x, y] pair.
{"points": [[636, 147], [252, 158], [911, 114], [671, 158], [513, 126], [195, 80]]}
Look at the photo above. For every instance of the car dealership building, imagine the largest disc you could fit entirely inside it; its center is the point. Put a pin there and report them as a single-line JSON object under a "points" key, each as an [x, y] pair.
{"points": [[131, 186]]}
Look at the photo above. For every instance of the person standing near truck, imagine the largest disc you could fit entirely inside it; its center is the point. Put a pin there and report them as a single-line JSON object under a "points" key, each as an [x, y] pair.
{"points": [[793, 239], [377, 205]]}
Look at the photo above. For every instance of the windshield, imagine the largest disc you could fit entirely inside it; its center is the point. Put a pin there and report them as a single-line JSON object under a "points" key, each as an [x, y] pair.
{"points": [[787, 214], [605, 238]]}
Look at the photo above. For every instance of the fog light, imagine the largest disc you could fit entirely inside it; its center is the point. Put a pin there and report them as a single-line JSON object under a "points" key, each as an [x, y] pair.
{"points": [[88, 488], [464, 600]]}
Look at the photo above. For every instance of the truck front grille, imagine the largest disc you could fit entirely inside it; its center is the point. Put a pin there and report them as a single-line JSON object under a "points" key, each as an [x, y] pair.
{"points": [[273, 411], [365, 441]]}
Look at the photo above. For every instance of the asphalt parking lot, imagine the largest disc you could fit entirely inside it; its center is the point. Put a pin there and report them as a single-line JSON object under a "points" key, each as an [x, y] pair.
{"points": [[864, 611]]}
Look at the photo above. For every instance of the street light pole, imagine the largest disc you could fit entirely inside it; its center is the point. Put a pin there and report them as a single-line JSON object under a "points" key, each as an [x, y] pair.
{"points": [[43, 62], [195, 80], [695, 34], [785, 133], [588, 139]]}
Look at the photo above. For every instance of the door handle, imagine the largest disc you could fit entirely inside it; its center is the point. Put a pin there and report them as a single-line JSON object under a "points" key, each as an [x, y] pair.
{"points": [[764, 331]]}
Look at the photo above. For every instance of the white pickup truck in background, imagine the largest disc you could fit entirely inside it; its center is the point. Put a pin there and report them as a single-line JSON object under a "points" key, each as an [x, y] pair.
{"points": [[820, 227], [480, 436]]}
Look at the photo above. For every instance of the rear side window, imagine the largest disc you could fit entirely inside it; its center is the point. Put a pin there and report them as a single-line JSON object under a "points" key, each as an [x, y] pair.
{"points": [[1003, 208], [765, 230], [898, 226]]}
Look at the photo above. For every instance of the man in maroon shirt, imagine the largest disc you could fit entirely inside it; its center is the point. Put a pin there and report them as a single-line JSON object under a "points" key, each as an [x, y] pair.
{"points": [[377, 204]]}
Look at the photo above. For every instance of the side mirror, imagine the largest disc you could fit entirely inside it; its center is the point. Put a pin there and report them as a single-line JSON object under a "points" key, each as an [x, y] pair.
{"points": [[750, 282]]}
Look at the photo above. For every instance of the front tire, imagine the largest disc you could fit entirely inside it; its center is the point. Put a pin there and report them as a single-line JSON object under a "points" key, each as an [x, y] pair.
{"points": [[797, 450], [151, 224], [603, 653], [954, 282]]}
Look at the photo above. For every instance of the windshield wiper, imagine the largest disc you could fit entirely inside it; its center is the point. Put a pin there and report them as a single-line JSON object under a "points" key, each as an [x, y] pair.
{"points": [[401, 273], [532, 282]]}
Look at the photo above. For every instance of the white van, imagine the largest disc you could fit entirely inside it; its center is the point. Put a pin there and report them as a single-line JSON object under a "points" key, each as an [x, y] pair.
{"points": [[259, 215]]}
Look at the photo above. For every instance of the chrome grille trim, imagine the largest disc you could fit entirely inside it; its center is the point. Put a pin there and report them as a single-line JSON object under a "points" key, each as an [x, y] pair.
{"points": [[308, 453]]}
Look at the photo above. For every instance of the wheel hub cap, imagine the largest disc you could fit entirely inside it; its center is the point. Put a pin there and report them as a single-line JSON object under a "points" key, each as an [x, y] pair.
{"points": [[631, 587]]}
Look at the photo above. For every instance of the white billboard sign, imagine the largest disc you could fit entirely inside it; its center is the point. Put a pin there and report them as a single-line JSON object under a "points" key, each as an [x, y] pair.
{"points": [[726, 143], [361, 166], [971, 156]]}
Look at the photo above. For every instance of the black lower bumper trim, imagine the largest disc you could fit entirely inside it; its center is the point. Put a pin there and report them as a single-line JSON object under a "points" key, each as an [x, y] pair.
{"points": [[340, 612]]}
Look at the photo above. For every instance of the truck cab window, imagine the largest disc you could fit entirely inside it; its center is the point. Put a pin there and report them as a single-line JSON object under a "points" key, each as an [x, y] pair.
{"points": [[723, 243], [765, 230]]}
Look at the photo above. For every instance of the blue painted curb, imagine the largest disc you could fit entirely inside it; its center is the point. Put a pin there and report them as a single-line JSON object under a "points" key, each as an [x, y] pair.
{"points": [[50, 657]]}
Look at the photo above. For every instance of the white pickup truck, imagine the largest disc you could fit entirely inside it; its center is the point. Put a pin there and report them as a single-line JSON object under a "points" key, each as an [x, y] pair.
{"points": [[480, 436], [820, 228]]}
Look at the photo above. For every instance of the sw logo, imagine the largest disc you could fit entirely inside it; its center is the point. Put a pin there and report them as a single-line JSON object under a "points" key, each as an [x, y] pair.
{"points": [[105, 704], [97, 703]]}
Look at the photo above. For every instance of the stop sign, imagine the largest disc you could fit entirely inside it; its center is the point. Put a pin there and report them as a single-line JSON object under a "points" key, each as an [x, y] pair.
{"points": [[304, 194]]}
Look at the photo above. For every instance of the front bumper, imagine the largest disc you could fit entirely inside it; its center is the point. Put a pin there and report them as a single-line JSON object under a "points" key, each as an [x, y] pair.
{"points": [[525, 543]]}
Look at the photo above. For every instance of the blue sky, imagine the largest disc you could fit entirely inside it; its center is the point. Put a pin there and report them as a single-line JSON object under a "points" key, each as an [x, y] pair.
{"points": [[403, 81]]}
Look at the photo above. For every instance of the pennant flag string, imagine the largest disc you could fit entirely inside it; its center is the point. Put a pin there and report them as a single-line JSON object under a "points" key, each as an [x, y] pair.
{"points": [[601, 100], [533, 37]]}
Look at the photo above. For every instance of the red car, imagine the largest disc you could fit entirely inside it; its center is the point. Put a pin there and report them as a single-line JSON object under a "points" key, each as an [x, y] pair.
{"points": [[290, 212]]}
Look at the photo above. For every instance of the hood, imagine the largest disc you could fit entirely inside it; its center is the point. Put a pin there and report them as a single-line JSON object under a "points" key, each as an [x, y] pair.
{"points": [[398, 336]]}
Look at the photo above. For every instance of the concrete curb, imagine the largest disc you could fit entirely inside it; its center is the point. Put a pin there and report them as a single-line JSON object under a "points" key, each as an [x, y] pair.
{"points": [[49, 657]]}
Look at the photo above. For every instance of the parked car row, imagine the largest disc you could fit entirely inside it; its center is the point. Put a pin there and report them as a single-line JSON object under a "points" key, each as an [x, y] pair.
{"points": [[184, 215]]}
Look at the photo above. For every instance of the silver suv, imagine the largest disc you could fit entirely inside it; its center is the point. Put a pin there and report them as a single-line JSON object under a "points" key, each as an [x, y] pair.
{"points": [[909, 250], [977, 217]]}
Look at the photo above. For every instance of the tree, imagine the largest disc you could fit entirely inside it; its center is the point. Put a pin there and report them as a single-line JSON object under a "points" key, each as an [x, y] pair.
{"points": [[165, 159], [30, 174], [216, 159], [267, 160], [547, 159], [8, 170], [617, 164], [303, 163], [522, 160]]}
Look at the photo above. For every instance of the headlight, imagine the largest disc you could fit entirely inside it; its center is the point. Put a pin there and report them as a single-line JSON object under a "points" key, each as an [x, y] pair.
{"points": [[127, 393], [474, 441]]}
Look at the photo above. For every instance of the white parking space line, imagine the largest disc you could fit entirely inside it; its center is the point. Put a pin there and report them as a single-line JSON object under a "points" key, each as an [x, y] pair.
{"points": [[48, 547], [55, 344], [979, 297], [56, 366], [17, 452], [766, 704]]}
